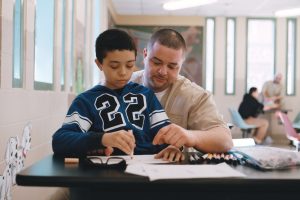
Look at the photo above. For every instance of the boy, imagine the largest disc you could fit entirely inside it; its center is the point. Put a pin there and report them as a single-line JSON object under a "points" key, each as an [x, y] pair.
{"points": [[118, 114]]}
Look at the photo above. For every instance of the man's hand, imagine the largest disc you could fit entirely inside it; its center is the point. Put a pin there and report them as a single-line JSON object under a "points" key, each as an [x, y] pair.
{"points": [[174, 135], [123, 140], [170, 153]]}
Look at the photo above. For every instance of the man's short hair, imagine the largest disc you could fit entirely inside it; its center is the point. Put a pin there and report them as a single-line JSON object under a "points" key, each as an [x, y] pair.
{"points": [[167, 37], [111, 40]]}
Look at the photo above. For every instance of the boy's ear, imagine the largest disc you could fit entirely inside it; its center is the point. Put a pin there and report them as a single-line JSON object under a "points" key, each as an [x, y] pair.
{"points": [[98, 64]]}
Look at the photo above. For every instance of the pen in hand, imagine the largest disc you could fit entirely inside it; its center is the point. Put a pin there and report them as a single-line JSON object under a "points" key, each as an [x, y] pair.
{"points": [[132, 152]]}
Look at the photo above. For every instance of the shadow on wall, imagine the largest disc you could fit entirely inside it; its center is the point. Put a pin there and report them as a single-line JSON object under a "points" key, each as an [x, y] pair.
{"points": [[14, 157]]}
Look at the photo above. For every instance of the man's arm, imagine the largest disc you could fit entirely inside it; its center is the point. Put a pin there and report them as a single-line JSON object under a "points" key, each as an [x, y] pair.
{"points": [[205, 141]]}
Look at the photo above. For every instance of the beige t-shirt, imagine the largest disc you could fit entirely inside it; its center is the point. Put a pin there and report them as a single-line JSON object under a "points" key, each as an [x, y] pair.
{"points": [[188, 105], [272, 89]]}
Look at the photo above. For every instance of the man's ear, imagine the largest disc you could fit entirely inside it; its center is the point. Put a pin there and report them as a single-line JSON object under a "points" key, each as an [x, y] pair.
{"points": [[98, 64], [145, 52]]}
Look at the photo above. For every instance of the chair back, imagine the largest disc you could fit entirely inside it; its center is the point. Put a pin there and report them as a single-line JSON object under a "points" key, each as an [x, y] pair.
{"points": [[296, 122], [288, 126], [238, 120], [297, 119]]}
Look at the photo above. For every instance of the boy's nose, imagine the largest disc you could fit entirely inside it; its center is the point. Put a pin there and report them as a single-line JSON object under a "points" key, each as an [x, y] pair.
{"points": [[122, 72]]}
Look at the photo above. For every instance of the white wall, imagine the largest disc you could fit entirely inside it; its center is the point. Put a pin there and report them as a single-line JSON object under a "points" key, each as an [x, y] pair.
{"points": [[44, 109]]}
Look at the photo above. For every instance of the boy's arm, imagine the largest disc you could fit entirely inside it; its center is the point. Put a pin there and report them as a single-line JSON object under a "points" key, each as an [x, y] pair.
{"points": [[74, 138]]}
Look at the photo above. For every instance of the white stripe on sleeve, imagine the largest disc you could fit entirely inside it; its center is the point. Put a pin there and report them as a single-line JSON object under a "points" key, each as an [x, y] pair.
{"points": [[75, 118], [158, 117]]}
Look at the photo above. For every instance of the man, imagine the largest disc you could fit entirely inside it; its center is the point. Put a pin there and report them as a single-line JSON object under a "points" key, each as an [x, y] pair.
{"points": [[272, 91], [197, 121]]}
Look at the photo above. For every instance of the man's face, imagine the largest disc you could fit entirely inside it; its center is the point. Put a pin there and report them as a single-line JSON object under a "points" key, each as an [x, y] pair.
{"points": [[162, 66], [278, 78], [117, 67]]}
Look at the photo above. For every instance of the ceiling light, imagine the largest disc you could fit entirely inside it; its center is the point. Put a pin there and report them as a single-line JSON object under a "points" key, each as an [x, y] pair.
{"points": [[181, 4], [288, 12]]}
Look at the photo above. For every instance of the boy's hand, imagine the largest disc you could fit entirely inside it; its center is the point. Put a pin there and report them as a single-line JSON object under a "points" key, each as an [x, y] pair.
{"points": [[123, 140], [170, 153]]}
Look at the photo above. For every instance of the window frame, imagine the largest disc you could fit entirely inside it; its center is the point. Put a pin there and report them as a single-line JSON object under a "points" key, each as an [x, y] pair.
{"points": [[213, 52], [18, 82], [63, 45], [38, 85], [234, 56], [247, 45], [294, 20]]}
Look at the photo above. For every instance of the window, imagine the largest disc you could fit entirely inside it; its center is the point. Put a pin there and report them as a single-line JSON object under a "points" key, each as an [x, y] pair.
{"points": [[230, 57], [260, 52], [44, 37], [209, 56], [72, 73], [291, 57], [63, 46], [17, 81], [96, 18]]}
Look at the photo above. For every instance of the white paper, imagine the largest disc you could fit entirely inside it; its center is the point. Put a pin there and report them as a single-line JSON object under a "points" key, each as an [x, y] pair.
{"points": [[137, 159], [137, 169], [156, 172]]}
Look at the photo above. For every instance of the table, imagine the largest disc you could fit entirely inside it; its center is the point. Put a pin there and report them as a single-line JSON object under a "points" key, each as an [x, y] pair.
{"points": [[113, 184]]}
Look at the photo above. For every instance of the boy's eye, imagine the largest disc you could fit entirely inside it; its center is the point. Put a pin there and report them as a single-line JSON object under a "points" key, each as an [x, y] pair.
{"points": [[114, 66], [129, 66]]}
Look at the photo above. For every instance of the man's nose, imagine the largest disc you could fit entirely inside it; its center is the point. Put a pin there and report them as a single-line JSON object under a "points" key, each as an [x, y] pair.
{"points": [[163, 70]]}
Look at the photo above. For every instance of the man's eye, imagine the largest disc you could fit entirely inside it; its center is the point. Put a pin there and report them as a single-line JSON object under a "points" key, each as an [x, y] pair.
{"points": [[156, 63], [172, 66]]}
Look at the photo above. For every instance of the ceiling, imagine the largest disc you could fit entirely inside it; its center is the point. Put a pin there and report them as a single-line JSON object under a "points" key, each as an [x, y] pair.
{"points": [[257, 8]]}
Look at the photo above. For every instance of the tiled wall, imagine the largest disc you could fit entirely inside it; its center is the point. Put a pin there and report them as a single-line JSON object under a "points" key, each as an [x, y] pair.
{"points": [[45, 110]]}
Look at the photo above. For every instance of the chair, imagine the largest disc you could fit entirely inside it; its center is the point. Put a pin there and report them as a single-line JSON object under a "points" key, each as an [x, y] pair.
{"points": [[290, 132], [296, 122], [238, 121]]}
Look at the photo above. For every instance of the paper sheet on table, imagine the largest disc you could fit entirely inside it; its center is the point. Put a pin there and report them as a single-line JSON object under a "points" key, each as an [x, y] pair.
{"points": [[137, 169], [156, 172], [137, 159]]}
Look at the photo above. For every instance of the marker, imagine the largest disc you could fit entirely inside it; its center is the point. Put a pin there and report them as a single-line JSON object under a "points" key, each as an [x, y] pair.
{"points": [[192, 159], [198, 159], [227, 159], [222, 157], [132, 153], [209, 158], [217, 157]]}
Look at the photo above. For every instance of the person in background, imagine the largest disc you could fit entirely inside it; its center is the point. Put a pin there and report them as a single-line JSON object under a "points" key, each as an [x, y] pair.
{"points": [[272, 92], [117, 117], [195, 119], [250, 108]]}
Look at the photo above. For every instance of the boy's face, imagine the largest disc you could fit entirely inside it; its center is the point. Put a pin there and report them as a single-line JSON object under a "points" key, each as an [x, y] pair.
{"points": [[117, 67]]}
